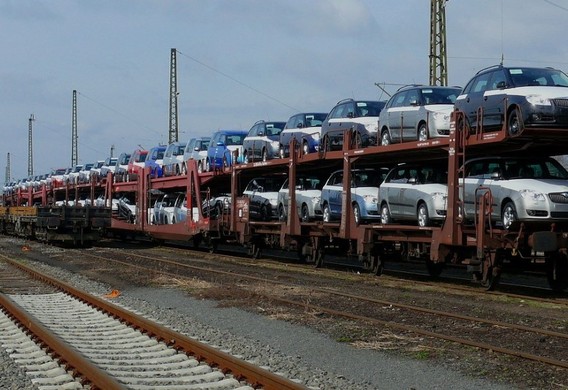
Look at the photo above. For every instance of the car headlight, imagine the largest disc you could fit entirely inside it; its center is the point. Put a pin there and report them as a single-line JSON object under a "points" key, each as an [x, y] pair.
{"points": [[372, 128], [532, 195], [370, 199], [439, 196], [538, 100], [316, 200], [441, 116], [275, 144]]}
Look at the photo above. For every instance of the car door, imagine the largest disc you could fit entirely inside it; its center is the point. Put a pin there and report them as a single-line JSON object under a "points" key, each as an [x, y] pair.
{"points": [[410, 114], [493, 103], [480, 175], [471, 100], [395, 115]]}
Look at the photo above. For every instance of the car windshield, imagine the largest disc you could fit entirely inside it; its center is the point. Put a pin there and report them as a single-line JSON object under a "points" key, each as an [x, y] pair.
{"points": [[369, 108], [535, 169], [440, 95], [369, 178], [523, 77], [234, 139]]}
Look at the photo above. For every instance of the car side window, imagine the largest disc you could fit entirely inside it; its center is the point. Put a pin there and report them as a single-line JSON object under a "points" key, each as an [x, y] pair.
{"points": [[411, 98], [498, 79], [399, 99], [481, 83]]}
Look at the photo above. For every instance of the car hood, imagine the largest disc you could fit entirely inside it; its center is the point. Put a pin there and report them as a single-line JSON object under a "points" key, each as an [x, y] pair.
{"points": [[539, 185], [443, 108], [549, 92]]}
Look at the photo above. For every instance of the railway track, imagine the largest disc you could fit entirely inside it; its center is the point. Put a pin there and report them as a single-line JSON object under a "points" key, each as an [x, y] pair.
{"points": [[458, 328], [109, 347]]}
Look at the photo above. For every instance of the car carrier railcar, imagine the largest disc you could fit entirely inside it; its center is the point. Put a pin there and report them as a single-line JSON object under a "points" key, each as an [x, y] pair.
{"points": [[481, 246]]}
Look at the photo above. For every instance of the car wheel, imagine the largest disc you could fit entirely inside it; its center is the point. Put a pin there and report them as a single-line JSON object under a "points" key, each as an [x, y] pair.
{"points": [[264, 155], [514, 125], [385, 138], [422, 133], [385, 214], [265, 212], [183, 169], [225, 162], [281, 152], [281, 212], [200, 167], [207, 165], [326, 213], [356, 214], [422, 215], [245, 157], [509, 215], [305, 213], [305, 148]]}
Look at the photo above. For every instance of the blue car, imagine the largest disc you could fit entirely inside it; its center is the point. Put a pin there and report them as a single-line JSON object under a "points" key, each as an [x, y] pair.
{"points": [[224, 145], [155, 161], [306, 129]]}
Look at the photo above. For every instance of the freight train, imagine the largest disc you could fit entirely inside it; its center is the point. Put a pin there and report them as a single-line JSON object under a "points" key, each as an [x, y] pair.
{"points": [[219, 206]]}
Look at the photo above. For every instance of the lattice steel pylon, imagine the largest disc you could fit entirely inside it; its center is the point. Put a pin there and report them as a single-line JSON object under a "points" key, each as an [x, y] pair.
{"points": [[74, 150], [173, 132], [8, 176], [438, 56], [30, 146]]}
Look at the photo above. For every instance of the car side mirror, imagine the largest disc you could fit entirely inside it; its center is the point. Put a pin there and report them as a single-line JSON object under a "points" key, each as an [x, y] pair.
{"points": [[197, 148], [496, 175], [300, 125], [412, 180], [298, 188], [350, 115], [501, 85], [414, 102], [220, 143], [261, 133]]}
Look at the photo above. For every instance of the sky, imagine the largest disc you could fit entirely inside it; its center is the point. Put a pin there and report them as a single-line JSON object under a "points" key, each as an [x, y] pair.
{"points": [[238, 61]]}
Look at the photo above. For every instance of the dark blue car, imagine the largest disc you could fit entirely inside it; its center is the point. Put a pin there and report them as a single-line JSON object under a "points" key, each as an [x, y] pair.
{"points": [[223, 146], [155, 160]]}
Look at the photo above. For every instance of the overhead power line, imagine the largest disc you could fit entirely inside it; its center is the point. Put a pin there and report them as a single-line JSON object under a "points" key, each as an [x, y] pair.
{"points": [[238, 81]]}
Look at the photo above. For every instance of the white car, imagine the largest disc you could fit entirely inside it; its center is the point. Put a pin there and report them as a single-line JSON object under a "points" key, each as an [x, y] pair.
{"points": [[262, 142], [524, 189], [196, 149], [416, 193], [73, 175], [110, 165], [308, 197], [364, 192], [173, 159]]}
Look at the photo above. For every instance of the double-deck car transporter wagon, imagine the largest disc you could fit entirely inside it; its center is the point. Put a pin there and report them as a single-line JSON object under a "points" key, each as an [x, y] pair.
{"points": [[476, 241]]}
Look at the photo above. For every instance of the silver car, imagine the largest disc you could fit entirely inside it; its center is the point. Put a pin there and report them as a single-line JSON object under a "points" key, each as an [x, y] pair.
{"points": [[522, 189], [263, 141], [417, 113], [308, 196], [416, 193]]}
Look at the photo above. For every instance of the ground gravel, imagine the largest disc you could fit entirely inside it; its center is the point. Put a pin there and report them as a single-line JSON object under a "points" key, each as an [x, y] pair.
{"points": [[298, 352]]}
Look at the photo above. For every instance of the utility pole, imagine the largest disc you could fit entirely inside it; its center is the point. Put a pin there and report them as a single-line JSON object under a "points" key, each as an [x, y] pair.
{"points": [[438, 56], [74, 151], [173, 133], [30, 147], [8, 177]]}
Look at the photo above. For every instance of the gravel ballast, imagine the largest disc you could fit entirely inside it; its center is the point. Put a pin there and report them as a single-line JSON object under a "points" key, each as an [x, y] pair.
{"points": [[297, 352]]}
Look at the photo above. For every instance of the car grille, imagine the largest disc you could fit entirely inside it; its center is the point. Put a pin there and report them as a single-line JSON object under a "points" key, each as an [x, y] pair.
{"points": [[560, 102], [559, 197]]}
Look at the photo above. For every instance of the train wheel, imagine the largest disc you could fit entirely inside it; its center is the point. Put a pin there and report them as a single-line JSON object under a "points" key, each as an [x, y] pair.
{"points": [[434, 268], [491, 271], [557, 271], [318, 258], [302, 256], [254, 251]]}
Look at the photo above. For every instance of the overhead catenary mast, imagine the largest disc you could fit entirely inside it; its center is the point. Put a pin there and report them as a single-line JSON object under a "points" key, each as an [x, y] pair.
{"points": [[173, 127], [30, 147], [8, 177], [438, 56], [74, 151]]}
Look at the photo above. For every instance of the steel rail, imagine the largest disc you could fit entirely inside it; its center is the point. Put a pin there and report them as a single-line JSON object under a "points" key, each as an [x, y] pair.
{"points": [[459, 340], [242, 370], [66, 354], [366, 299]]}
